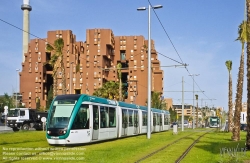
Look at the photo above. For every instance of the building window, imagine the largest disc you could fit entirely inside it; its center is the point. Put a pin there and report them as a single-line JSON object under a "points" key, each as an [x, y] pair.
{"points": [[122, 55]]}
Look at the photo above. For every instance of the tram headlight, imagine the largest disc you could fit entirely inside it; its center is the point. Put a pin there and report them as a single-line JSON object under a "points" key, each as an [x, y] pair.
{"points": [[64, 132], [48, 132]]}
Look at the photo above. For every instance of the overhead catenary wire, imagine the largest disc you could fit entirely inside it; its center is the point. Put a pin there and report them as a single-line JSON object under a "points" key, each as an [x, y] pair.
{"points": [[176, 49], [137, 54]]}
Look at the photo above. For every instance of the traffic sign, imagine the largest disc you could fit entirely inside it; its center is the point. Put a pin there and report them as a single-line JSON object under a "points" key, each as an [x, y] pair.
{"points": [[5, 110]]}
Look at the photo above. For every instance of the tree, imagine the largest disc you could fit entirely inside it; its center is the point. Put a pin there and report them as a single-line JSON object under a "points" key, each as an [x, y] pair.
{"points": [[50, 98], [157, 101], [6, 100], [56, 62], [248, 79], [38, 104], [109, 90], [119, 66], [243, 37], [230, 96], [173, 114]]}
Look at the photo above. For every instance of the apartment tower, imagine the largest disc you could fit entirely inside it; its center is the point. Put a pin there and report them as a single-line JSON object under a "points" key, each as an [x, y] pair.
{"points": [[88, 65]]}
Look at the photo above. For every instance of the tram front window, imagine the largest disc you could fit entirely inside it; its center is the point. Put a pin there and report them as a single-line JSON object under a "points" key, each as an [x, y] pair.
{"points": [[60, 115]]}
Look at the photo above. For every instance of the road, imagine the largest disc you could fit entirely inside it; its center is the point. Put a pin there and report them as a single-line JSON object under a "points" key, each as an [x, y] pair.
{"points": [[4, 128]]}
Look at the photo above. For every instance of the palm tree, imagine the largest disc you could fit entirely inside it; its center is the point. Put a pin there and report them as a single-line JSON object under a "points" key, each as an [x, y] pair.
{"points": [[248, 79], [56, 62], [230, 97], [238, 102], [119, 66], [157, 101]]}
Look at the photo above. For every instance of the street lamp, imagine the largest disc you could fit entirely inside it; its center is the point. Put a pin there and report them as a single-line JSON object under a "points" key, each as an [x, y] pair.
{"points": [[17, 70], [193, 97], [149, 65], [70, 78]]}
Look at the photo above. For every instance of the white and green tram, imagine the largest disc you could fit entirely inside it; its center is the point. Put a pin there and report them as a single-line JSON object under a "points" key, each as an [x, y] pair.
{"points": [[80, 118]]}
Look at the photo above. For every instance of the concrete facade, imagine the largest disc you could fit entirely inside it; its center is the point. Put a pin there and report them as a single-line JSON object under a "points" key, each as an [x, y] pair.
{"points": [[88, 65]]}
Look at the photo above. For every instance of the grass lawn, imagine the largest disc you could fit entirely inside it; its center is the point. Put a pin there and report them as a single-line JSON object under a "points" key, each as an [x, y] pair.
{"points": [[31, 146]]}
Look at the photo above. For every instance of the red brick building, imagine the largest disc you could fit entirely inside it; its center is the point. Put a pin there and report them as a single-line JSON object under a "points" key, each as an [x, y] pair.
{"points": [[89, 64]]}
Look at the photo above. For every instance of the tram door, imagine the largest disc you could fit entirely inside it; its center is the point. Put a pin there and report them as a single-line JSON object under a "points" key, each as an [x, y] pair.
{"points": [[95, 122], [136, 121], [124, 122]]}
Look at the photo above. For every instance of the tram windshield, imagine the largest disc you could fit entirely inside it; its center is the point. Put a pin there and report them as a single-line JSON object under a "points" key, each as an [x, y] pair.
{"points": [[214, 121], [61, 113]]}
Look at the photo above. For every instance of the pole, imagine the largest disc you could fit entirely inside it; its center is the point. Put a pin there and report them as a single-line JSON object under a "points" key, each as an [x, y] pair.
{"points": [[149, 76], [182, 110], [16, 86], [193, 104]]}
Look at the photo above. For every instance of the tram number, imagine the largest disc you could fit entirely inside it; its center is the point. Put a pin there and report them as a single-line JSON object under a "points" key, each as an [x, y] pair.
{"points": [[88, 132], [54, 137], [111, 102]]}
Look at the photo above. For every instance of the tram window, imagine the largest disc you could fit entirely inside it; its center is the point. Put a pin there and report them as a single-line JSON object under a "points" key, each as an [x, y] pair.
{"points": [[144, 122], [131, 118], [136, 118], [160, 116], [154, 119], [158, 119], [82, 118], [95, 117], [112, 117], [104, 116], [165, 119], [124, 118]]}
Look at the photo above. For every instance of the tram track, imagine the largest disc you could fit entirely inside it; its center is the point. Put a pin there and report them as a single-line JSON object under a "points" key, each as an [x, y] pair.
{"points": [[190, 147], [151, 154], [168, 145]]}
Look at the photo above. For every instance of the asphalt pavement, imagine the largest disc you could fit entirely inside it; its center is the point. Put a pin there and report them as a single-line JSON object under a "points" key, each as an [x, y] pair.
{"points": [[4, 128]]}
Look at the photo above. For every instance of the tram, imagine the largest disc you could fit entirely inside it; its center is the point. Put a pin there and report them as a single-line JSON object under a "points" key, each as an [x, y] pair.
{"points": [[214, 122], [81, 118]]}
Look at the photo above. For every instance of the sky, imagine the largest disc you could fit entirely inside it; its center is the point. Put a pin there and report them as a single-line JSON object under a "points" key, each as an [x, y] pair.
{"points": [[198, 33]]}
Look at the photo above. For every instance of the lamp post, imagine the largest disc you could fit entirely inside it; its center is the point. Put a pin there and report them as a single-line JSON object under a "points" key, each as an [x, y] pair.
{"points": [[17, 70], [193, 98], [149, 65], [70, 78]]}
